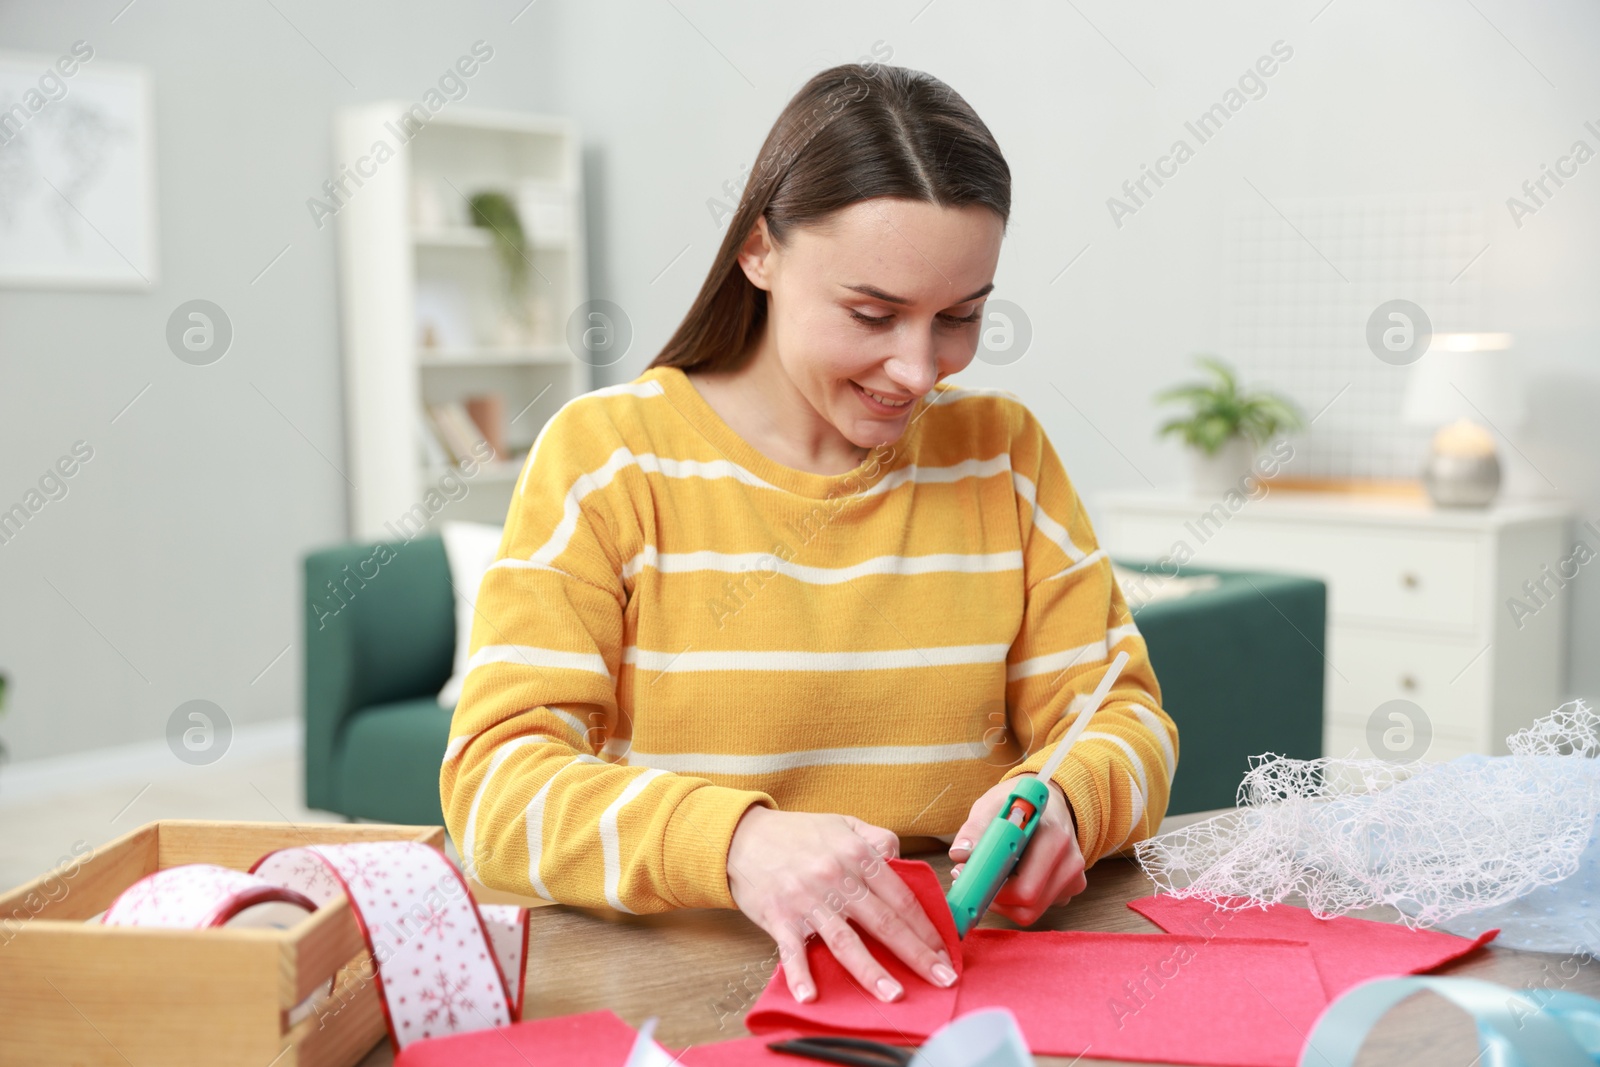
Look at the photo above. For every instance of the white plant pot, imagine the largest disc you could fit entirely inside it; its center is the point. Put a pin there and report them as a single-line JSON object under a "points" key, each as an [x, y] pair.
{"points": [[1212, 475]]}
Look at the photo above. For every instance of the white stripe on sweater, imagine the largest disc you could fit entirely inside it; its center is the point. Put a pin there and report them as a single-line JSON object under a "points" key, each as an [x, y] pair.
{"points": [[1117, 633], [776, 762], [533, 825], [1152, 722], [1092, 558], [639, 389], [459, 743], [602, 476], [767, 565], [1137, 790], [611, 840], [533, 656], [1042, 520], [884, 660], [1137, 802], [468, 843], [1057, 661], [572, 722]]}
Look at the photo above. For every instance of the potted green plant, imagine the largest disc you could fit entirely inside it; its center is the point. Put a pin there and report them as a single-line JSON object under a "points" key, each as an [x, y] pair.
{"points": [[497, 213], [1225, 426]]}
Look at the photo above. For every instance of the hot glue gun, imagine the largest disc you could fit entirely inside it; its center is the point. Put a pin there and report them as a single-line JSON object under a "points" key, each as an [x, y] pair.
{"points": [[1006, 839]]}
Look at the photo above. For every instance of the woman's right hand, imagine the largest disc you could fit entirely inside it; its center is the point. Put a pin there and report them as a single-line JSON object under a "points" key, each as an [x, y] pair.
{"points": [[794, 873]]}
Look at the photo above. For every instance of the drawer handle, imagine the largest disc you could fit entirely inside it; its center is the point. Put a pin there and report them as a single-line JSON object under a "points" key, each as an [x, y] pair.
{"points": [[1408, 682], [1410, 580]]}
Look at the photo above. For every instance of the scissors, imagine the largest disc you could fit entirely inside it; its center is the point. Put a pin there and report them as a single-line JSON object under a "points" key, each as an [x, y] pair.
{"points": [[853, 1051]]}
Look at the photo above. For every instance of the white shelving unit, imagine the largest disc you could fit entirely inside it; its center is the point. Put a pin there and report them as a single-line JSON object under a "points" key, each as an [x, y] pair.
{"points": [[409, 258]]}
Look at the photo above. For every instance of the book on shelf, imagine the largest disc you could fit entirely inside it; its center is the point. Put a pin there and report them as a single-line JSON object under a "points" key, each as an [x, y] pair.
{"points": [[457, 432], [433, 453]]}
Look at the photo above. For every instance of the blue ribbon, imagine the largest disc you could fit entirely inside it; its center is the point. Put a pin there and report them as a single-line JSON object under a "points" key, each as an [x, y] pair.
{"points": [[1516, 1028]]}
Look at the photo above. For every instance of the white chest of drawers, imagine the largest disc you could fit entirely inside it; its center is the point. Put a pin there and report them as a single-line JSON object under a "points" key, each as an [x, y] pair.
{"points": [[1420, 603]]}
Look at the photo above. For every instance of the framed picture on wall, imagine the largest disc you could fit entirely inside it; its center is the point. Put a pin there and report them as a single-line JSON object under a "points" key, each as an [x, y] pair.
{"points": [[77, 172]]}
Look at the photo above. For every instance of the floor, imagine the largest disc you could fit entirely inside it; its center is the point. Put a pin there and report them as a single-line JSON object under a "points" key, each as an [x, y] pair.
{"points": [[35, 836]]}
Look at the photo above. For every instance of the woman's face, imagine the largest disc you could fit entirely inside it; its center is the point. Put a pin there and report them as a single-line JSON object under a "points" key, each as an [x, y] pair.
{"points": [[886, 297]]}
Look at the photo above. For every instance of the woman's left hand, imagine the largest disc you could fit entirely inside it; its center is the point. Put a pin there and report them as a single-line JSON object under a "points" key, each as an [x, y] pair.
{"points": [[1051, 871]]}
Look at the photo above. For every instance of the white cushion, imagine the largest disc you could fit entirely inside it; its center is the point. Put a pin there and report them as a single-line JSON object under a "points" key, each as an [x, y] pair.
{"points": [[470, 547]]}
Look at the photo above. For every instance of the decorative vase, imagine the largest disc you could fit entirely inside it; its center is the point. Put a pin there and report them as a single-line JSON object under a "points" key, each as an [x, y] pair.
{"points": [[1462, 481], [1463, 470], [1226, 469], [512, 329]]}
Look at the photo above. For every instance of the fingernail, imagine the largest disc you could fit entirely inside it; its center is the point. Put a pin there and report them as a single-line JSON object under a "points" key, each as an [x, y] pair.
{"points": [[944, 957], [803, 992], [888, 988], [961, 843], [943, 975]]}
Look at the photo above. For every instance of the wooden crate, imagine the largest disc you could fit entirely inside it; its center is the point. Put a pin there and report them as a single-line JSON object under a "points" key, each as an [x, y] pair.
{"points": [[80, 993]]}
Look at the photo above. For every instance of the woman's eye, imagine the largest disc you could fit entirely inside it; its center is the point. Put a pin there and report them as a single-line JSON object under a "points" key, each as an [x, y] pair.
{"points": [[954, 322], [868, 319]]}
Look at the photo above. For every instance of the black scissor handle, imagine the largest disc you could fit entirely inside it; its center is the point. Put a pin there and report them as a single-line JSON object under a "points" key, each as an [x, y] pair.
{"points": [[852, 1051]]}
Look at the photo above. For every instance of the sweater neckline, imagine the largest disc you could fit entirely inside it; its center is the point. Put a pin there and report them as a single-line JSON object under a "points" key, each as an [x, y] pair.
{"points": [[699, 413]]}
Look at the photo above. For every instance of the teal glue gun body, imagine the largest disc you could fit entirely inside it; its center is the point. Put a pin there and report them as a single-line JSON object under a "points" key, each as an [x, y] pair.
{"points": [[997, 852]]}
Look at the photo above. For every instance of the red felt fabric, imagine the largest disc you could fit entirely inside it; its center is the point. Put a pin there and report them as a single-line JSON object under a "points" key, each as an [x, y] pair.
{"points": [[1227, 1001], [1348, 950], [843, 1006], [595, 1037], [1118, 996], [1238, 988], [592, 1039]]}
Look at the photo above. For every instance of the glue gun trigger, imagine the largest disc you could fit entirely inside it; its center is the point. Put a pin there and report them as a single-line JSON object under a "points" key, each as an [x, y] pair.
{"points": [[1021, 812]]}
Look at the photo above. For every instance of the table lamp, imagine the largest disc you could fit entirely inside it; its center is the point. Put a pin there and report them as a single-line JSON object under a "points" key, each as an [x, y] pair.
{"points": [[1463, 381]]}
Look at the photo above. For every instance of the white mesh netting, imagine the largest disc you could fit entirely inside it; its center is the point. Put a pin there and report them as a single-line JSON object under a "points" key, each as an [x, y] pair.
{"points": [[1431, 840]]}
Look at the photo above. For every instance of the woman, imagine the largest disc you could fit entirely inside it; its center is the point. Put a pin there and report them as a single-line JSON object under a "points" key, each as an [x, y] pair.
{"points": [[788, 596]]}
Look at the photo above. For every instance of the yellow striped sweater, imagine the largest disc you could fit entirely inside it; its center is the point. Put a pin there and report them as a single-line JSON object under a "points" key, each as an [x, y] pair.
{"points": [[677, 627]]}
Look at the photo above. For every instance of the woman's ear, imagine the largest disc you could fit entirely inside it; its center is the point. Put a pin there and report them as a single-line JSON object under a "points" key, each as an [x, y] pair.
{"points": [[756, 254]]}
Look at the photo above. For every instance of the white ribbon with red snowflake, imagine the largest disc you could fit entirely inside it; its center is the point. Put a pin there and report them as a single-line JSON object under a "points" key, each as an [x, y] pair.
{"points": [[442, 964], [194, 896]]}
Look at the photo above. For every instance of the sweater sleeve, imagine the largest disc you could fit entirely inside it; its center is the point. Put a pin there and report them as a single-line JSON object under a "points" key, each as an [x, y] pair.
{"points": [[1119, 774], [533, 795]]}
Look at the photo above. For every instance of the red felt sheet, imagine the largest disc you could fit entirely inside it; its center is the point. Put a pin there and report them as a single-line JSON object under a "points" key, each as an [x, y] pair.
{"points": [[1227, 1001], [1244, 1001], [843, 1006], [1240, 988], [1348, 950], [595, 1037]]}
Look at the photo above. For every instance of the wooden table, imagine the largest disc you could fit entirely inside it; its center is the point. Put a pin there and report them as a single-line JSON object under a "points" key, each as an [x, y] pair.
{"points": [[701, 970]]}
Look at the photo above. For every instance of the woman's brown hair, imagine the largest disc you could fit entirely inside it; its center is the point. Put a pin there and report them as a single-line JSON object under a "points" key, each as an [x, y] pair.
{"points": [[851, 133]]}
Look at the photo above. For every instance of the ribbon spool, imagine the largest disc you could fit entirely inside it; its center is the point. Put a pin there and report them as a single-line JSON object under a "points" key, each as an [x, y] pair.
{"points": [[197, 896], [1516, 1027], [201, 896], [441, 962]]}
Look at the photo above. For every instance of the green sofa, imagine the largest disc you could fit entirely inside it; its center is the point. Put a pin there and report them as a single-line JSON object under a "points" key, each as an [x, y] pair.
{"points": [[1240, 667]]}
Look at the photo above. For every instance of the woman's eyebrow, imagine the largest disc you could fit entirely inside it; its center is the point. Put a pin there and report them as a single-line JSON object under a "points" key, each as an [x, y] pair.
{"points": [[878, 294]]}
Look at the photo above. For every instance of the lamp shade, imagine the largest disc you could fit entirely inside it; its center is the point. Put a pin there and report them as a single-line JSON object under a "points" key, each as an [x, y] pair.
{"points": [[1465, 376]]}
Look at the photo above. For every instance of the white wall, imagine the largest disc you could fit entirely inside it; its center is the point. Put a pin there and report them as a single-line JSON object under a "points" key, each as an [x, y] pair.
{"points": [[179, 543], [176, 552]]}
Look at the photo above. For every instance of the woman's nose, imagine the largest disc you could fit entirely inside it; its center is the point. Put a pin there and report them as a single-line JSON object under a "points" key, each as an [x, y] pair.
{"points": [[916, 367]]}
